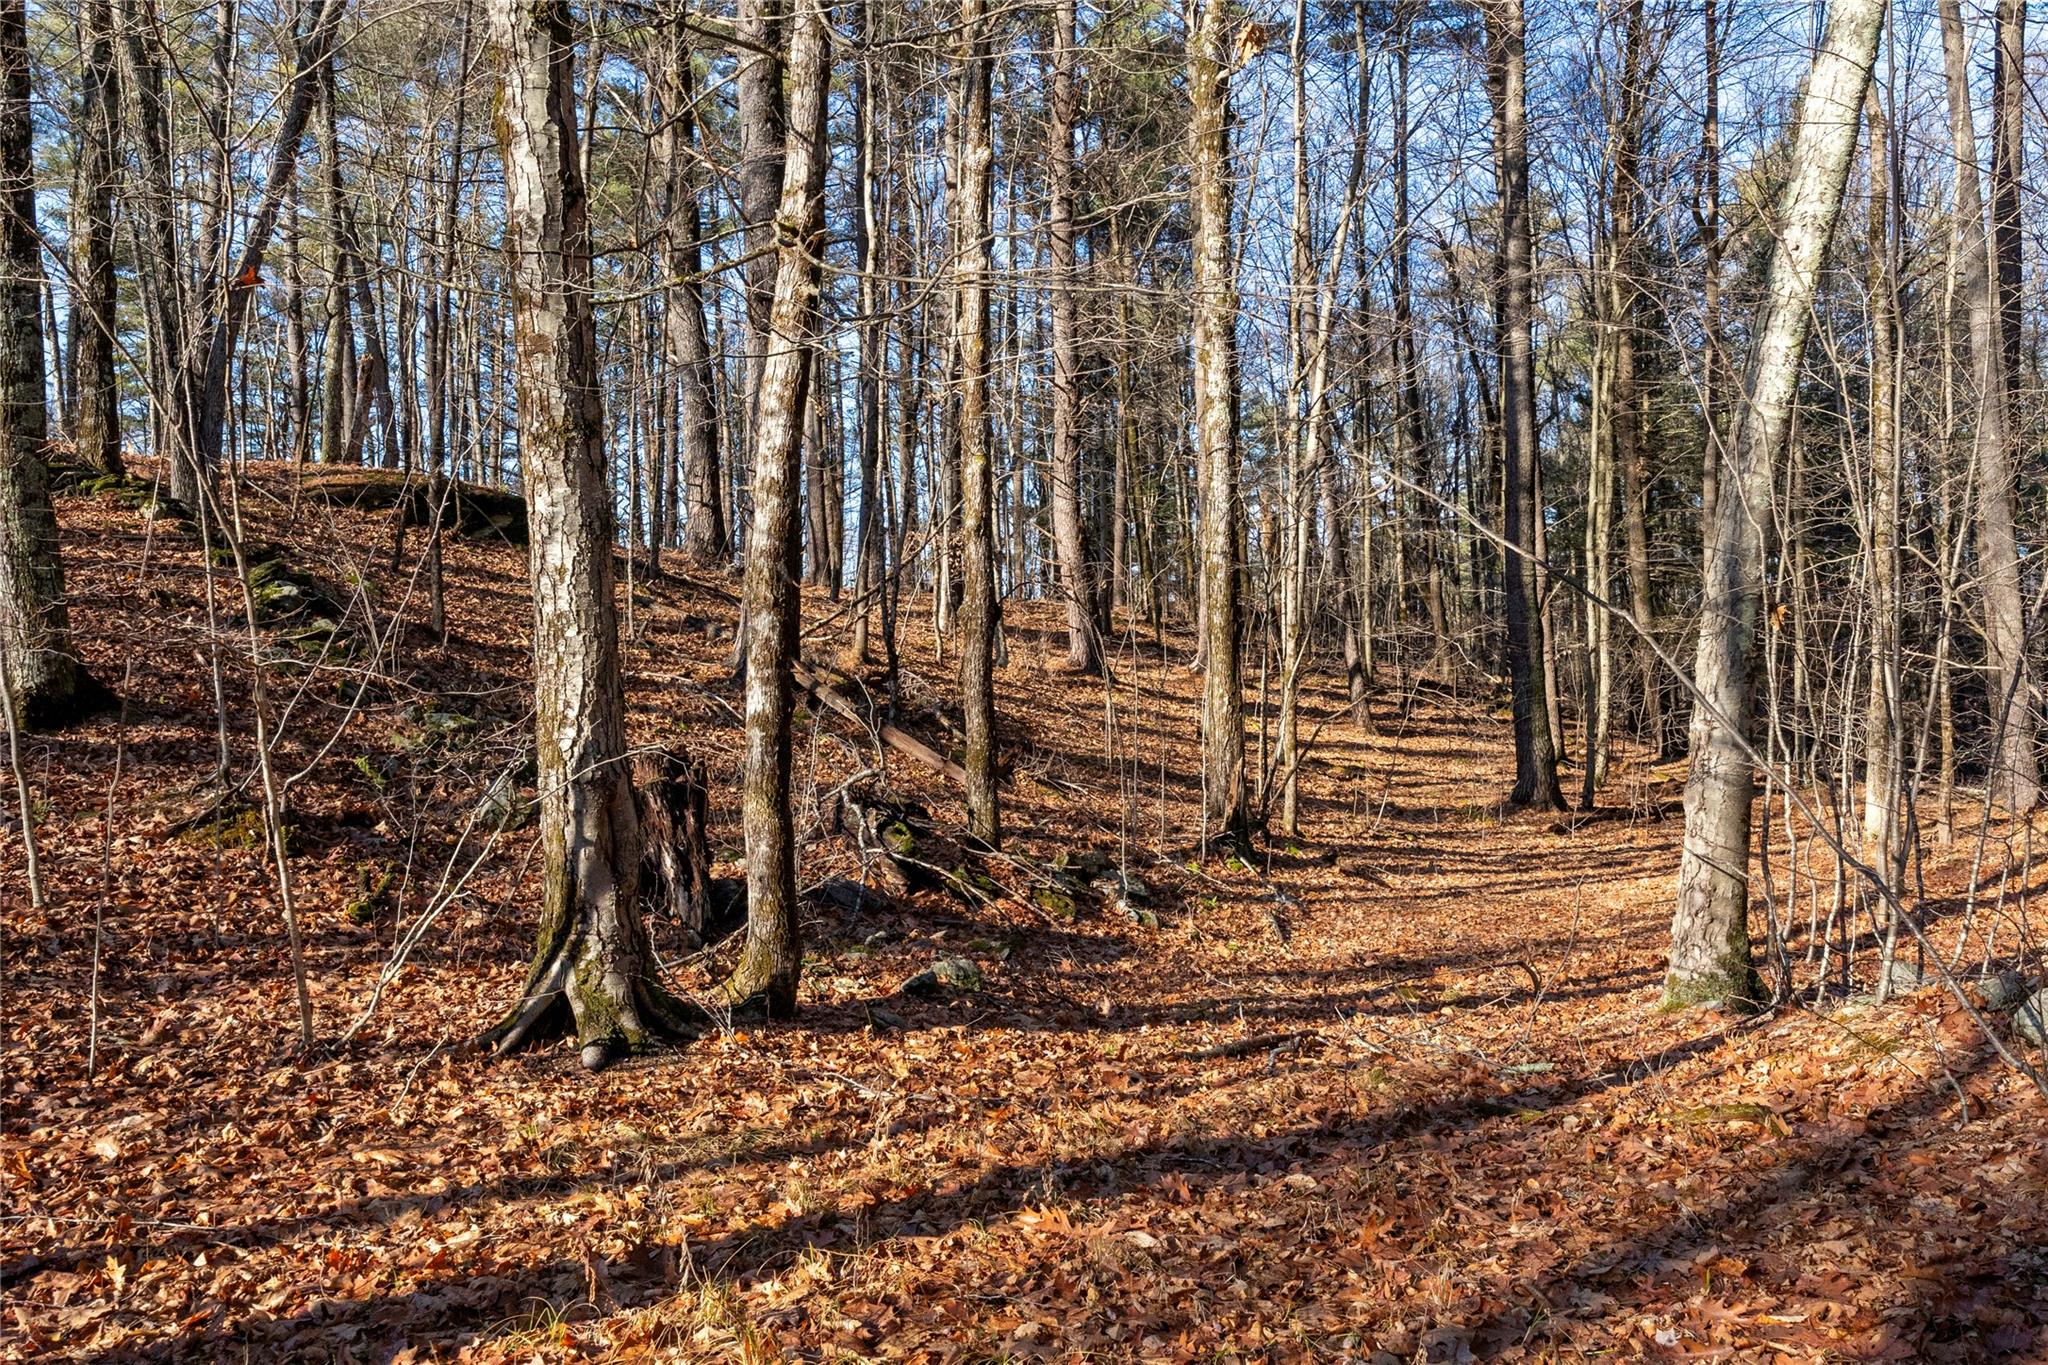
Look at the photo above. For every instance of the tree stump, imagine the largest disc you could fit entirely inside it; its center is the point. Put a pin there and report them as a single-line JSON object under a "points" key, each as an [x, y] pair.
{"points": [[675, 856]]}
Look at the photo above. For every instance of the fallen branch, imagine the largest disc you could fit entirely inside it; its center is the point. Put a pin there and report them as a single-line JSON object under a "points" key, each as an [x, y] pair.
{"points": [[1245, 1047], [903, 742]]}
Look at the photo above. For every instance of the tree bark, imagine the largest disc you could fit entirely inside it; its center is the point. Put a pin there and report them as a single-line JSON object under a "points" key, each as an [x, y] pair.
{"points": [[705, 539], [1087, 621], [159, 272], [1710, 949], [1535, 758], [1226, 813], [338, 349], [45, 685], [1881, 731], [96, 399], [772, 958], [977, 488], [758, 89], [872, 410], [2015, 780], [593, 970]]}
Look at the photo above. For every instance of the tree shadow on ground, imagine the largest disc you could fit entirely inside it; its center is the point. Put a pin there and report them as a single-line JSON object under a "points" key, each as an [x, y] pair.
{"points": [[455, 1310]]}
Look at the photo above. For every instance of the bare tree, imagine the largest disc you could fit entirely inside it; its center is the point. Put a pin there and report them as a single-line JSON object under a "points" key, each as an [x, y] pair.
{"points": [[1086, 617], [2016, 778], [1710, 950], [1226, 813], [689, 345], [1535, 757], [773, 954], [44, 684], [592, 969], [95, 423]]}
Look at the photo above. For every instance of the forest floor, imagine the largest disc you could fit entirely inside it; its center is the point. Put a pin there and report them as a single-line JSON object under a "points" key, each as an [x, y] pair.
{"points": [[1397, 1089]]}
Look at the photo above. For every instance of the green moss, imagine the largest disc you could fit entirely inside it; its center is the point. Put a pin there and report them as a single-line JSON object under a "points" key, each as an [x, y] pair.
{"points": [[898, 837], [229, 829], [1732, 985], [1054, 902], [371, 884]]}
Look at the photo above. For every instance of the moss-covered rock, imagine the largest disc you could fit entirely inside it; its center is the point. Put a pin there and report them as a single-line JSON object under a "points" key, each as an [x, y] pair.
{"points": [[240, 828], [947, 975], [372, 882], [1055, 902]]}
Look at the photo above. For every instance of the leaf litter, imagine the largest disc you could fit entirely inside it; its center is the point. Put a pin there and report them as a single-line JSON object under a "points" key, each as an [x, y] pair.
{"points": [[1394, 1090]]}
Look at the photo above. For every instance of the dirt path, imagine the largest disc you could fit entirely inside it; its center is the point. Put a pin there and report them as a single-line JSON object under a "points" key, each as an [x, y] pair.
{"points": [[1398, 1086]]}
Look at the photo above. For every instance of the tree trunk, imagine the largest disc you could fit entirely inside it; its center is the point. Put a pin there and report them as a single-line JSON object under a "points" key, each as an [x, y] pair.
{"points": [[96, 399], [593, 970], [1535, 759], [298, 385], [773, 955], [1710, 953], [977, 488], [44, 685], [2015, 780], [1087, 621], [872, 411], [758, 89], [1225, 812], [159, 272], [705, 539], [1624, 412], [1417, 548], [1881, 729], [338, 347]]}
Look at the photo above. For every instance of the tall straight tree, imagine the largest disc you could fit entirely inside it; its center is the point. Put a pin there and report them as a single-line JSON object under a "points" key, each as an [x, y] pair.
{"points": [[592, 969], [773, 953], [759, 104], [1710, 950], [972, 196], [96, 401], [872, 406], [45, 685], [1087, 621], [689, 345], [1507, 60], [1416, 540], [1882, 735], [2015, 779], [151, 201], [1624, 301], [1226, 814]]}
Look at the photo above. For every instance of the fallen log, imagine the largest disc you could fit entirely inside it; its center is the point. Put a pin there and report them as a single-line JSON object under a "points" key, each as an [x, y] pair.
{"points": [[903, 742]]}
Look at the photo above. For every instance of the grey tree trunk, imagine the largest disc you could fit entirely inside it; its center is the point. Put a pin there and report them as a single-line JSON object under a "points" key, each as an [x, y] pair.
{"points": [[151, 200], [977, 487], [338, 345], [45, 685], [873, 412], [96, 401], [1881, 730], [1418, 554], [1535, 758], [1710, 950], [592, 970], [758, 89], [2015, 780], [772, 957], [1226, 813], [705, 539], [1087, 621]]}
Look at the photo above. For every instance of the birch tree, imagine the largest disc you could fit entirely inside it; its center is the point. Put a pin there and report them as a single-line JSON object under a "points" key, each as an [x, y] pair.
{"points": [[1710, 946], [592, 971]]}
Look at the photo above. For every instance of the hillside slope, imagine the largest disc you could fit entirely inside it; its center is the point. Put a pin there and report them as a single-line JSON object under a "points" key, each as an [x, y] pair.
{"points": [[1396, 1087]]}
